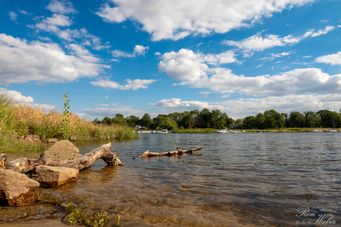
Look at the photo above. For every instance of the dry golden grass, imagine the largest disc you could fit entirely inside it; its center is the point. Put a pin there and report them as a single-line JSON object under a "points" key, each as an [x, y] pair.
{"points": [[23, 120]]}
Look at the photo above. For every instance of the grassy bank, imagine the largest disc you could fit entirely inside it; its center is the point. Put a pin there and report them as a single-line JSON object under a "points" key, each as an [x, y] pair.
{"points": [[18, 121]]}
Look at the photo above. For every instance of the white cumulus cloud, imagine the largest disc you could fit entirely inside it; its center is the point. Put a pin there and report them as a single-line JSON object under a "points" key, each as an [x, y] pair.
{"points": [[138, 51], [18, 98], [22, 61], [332, 59], [60, 6], [176, 19], [177, 104], [109, 110], [261, 42], [53, 23], [135, 84], [190, 69]]}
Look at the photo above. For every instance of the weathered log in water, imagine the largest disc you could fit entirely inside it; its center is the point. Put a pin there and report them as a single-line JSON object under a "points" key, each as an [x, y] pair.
{"points": [[24, 165], [87, 160], [178, 151]]}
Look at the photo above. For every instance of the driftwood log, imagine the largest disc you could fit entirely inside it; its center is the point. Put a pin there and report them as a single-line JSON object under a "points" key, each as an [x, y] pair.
{"points": [[178, 151], [24, 165]]}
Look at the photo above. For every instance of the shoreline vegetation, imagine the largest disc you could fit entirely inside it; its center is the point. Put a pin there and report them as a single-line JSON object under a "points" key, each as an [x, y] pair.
{"points": [[19, 123], [273, 130], [206, 121]]}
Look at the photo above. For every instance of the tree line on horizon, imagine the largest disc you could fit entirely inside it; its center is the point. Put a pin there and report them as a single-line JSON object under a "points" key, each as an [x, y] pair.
{"points": [[220, 120]]}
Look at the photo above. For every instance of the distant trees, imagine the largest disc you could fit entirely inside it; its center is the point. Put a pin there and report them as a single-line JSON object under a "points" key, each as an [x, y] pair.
{"points": [[219, 120], [296, 119]]}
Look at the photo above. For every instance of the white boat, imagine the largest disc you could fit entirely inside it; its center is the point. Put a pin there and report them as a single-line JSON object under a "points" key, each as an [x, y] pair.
{"points": [[144, 132], [332, 130], [223, 131], [163, 131], [227, 131]]}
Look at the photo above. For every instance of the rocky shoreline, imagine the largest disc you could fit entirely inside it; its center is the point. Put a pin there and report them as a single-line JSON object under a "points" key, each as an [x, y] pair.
{"points": [[21, 179]]}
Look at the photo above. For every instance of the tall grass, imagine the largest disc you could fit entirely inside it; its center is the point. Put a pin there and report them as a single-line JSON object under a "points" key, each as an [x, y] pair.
{"points": [[23, 120]]}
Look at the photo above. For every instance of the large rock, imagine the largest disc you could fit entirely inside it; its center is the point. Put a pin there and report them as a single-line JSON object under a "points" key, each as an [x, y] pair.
{"points": [[61, 150], [17, 189], [53, 176]]}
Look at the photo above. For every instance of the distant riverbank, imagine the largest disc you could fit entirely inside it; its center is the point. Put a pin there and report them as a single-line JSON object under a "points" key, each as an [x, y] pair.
{"points": [[211, 130]]}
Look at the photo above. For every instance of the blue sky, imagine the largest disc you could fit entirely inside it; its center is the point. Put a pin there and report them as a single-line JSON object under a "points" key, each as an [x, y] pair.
{"points": [[160, 56]]}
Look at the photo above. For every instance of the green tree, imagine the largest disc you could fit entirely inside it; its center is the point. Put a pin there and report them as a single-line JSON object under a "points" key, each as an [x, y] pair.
{"points": [[119, 119], [107, 121], [249, 122], [205, 118], [238, 124], [132, 120], [312, 120], [296, 120], [329, 119], [146, 121], [273, 119], [218, 119], [260, 121], [164, 122]]}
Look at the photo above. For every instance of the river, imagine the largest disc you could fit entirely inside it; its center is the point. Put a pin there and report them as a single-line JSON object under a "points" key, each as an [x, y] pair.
{"points": [[246, 179]]}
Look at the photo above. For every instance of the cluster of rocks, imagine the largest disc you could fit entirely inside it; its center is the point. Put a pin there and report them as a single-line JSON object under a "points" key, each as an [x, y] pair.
{"points": [[21, 179]]}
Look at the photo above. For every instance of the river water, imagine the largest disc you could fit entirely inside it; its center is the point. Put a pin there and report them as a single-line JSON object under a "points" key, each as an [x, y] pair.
{"points": [[263, 179]]}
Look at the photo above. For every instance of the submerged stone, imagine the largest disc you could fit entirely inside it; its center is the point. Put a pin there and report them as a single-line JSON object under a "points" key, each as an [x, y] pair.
{"points": [[53, 176], [17, 189]]}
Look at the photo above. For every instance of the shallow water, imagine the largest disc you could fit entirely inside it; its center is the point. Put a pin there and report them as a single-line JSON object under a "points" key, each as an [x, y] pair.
{"points": [[238, 179]]}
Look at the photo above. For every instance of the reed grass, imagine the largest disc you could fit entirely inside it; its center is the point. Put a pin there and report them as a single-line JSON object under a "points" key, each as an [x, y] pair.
{"points": [[18, 121]]}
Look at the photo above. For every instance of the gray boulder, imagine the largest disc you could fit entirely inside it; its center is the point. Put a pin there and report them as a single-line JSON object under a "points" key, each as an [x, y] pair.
{"points": [[17, 189], [61, 151], [53, 176]]}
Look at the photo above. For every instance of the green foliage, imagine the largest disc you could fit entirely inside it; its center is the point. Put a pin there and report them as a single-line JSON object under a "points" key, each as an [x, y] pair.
{"points": [[124, 133], [17, 121], [312, 120], [273, 119], [6, 117], [164, 122], [77, 215], [296, 119], [195, 119], [74, 216], [329, 119], [10, 144], [65, 129], [146, 121]]}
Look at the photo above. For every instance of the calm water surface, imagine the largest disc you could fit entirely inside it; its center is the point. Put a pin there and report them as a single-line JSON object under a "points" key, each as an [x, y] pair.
{"points": [[238, 179]]}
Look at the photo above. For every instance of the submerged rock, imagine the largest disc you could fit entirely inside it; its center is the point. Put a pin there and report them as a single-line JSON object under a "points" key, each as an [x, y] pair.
{"points": [[61, 150], [53, 176], [17, 189]]}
